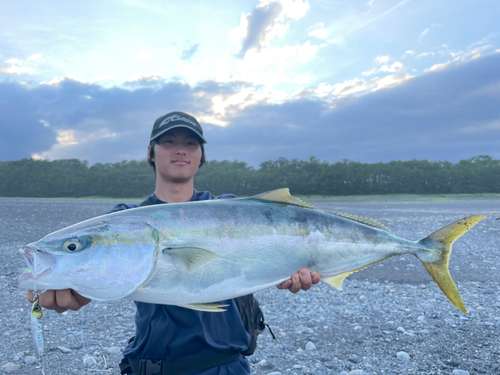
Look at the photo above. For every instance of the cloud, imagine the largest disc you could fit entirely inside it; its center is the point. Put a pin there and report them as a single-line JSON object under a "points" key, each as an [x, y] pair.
{"points": [[268, 20], [318, 31], [187, 54], [491, 126], [142, 57], [15, 66], [425, 54], [409, 53], [382, 59], [392, 68], [447, 114], [423, 33]]}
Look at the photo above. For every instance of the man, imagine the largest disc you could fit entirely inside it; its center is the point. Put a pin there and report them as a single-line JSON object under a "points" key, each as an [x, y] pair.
{"points": [[181, 338]]}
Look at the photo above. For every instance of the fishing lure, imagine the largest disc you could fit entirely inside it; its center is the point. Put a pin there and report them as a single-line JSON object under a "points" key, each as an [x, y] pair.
{"points": [[37, 329]]}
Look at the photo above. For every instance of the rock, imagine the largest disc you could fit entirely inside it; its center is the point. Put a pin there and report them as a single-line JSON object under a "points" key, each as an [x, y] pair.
{"points": [[310, 346], [274, 373], [29, 360], [113, 350], [303, 329], [401, 329], [460, 372], [88, 360], [357, 372], [297, 367], [64, 350], [15, 358], [357, 328], [403, 356], [10, 367], [344, 373]]}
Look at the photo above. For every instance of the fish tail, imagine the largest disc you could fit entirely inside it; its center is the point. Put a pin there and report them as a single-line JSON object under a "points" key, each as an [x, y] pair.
{"points": [[436, 257]]}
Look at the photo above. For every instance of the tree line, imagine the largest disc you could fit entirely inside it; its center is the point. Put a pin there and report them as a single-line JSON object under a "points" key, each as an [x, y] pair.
{"points": [[134, 179]]}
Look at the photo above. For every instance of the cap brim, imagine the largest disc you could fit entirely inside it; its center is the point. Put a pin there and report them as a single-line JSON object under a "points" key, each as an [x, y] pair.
{"points": [[179, 126]]}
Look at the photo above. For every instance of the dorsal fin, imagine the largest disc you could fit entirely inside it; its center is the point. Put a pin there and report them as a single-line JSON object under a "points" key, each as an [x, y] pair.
{"points": [[281, 195], [363, 220]]}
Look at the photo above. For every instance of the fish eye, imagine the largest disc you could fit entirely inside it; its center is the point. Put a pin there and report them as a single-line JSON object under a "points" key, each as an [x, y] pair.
{"points": [[72, 245]]}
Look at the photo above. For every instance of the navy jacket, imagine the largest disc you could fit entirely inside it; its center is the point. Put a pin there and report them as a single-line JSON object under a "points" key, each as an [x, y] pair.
{"points": [[165, 332]]}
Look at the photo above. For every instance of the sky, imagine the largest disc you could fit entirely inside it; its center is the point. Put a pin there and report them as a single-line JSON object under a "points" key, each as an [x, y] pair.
{"points": [[367, 81]]}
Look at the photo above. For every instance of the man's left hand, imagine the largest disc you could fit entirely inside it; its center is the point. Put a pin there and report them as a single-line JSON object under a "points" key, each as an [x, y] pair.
{"points": [[300, 280]]}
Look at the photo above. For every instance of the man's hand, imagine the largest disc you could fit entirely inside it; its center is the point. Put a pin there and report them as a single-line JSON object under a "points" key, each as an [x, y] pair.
{"points": [[300, 280], [60, 300]]}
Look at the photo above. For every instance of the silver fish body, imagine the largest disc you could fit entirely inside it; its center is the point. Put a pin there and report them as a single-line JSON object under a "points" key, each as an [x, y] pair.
{"points": [[201, 252]]}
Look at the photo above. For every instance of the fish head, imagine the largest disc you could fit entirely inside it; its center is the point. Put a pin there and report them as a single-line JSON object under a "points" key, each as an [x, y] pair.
{"points": [[99, 260]]}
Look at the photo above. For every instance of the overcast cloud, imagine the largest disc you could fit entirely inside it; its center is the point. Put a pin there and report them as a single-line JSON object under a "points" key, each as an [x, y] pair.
{"points": [[450, 114]]}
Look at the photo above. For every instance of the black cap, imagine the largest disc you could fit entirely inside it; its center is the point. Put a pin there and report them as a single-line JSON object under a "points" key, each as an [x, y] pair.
{"points": [[176, 120]]}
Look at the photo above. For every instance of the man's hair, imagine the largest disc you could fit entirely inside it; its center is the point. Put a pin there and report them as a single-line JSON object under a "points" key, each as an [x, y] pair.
{"points": [[151, 154]]}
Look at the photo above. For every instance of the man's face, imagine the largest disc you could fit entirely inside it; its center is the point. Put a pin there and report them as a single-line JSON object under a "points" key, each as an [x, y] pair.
{"points": [[177, 155]]}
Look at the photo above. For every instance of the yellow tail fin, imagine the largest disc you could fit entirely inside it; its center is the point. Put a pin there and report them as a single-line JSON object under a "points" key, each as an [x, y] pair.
{"points": [[436, 262]]}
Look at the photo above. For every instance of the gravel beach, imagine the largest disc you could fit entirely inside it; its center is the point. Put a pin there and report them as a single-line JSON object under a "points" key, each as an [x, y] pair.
{"points": [[390, 319]]}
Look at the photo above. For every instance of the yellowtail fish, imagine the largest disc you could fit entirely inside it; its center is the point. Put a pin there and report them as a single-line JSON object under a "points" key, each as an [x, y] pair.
{"points": [[197, 253]]}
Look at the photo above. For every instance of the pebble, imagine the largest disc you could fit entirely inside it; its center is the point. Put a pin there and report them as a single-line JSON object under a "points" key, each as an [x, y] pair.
{"points": [[303, 329], [460, 372], [274, 373], [88, 360], [29, 360], [310, 346], [401, 329], [403, 356], [113, 350], [64, 350], [357, 372], [15, 358], [10, 367]]}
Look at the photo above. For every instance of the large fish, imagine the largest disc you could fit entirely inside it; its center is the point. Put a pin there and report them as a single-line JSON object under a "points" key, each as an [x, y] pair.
{"points": [[196, 253]]}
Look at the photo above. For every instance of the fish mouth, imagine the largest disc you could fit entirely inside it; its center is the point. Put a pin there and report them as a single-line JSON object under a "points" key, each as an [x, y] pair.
{"points": [[39, 264]]}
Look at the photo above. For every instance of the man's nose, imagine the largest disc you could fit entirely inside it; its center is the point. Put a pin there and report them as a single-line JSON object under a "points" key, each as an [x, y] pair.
{"points": [[180, 151]]}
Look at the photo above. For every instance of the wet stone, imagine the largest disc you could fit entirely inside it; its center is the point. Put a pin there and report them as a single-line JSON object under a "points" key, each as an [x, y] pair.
{"points": [[29, 360]]}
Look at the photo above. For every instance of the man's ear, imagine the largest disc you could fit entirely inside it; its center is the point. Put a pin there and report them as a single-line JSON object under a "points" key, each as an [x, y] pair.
{"points": [[147, 156]]}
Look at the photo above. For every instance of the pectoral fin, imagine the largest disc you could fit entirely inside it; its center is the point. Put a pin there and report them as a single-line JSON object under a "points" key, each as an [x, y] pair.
{"points": [[188, 259], [208, 307]]}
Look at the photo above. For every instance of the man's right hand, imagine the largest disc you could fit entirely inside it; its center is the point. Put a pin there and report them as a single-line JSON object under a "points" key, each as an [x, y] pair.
{"points": [[60, 300]]}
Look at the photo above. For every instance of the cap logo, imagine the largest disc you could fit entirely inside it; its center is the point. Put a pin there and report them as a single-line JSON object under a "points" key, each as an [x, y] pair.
{"points": [[176, 118]]}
